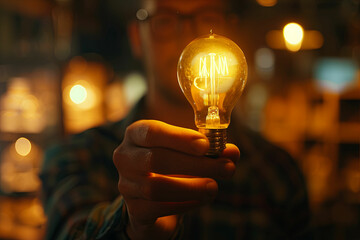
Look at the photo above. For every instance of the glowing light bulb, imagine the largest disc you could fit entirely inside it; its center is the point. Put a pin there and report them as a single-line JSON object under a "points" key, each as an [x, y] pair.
{"points": [[293, 35], [212, 73], [78, 94], [23, 146]]}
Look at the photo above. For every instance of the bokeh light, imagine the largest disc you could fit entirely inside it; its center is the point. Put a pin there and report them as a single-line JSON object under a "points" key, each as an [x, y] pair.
{"points": [[264, 58], [267, 3], [265, 62], [293, 35], [23, 146], [335, 74], [78, 94]]}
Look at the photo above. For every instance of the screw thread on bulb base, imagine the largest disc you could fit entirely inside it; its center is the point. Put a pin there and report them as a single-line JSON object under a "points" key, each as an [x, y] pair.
{"points": [[217, 139]]}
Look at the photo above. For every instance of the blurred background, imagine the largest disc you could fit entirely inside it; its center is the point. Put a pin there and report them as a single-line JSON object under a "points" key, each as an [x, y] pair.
{"points": [[66, 65]]}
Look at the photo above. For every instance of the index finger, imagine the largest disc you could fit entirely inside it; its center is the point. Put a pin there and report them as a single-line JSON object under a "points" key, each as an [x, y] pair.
{"points": [[152, 133]]}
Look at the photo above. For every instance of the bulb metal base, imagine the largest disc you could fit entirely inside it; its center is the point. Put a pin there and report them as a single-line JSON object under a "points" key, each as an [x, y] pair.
{"points": [[217, 139]]}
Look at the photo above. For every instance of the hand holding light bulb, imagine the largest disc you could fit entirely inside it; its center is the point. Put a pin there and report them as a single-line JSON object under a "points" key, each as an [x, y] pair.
{"points": [[163, 173], [162, 168], [212, 73]]}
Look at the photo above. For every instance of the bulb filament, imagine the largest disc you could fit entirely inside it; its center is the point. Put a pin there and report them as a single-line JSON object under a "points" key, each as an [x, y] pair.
{"points": [[209, 70], [212, 68]]}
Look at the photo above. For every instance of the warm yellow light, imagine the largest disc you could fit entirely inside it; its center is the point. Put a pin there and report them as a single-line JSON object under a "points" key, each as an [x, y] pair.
{"points": [[212, 68], [78, 94], [23, 146], [212, 73], [85, 107], [293, 35], [81, 95], [267, 3]]}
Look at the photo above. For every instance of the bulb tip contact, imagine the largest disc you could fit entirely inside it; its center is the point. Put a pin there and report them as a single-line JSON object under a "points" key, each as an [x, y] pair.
{"points": [[211, 33]]}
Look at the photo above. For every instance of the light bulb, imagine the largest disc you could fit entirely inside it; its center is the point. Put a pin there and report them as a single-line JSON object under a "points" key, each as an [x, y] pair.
{"points": [[212, 73]]}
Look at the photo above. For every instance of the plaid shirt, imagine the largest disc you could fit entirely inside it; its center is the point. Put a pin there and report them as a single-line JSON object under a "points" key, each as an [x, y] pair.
{"points": [[266, 198]]}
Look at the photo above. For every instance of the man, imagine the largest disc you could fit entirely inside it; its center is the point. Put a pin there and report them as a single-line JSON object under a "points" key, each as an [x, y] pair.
{"points": [[159, 184]]}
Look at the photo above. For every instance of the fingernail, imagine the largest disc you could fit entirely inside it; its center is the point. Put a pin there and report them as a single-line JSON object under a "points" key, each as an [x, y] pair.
{"points": [[212, 189]]}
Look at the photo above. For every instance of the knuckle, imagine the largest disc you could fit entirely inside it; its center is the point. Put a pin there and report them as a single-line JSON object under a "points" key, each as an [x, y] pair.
{"points": [[148, 190], [131, 128], [124, 187], [117, 152], [139, 131], [118, 155]]}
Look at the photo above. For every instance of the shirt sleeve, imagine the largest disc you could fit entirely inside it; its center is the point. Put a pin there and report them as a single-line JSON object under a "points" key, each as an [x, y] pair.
{"points": [[79, 190]]}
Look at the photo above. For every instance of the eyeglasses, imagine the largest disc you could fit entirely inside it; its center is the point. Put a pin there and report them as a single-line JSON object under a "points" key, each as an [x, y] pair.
{"points": [[167, 24]]}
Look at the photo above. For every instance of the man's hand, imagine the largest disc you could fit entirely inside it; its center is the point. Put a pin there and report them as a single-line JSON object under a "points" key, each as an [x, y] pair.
{"points": [[163, 172]]}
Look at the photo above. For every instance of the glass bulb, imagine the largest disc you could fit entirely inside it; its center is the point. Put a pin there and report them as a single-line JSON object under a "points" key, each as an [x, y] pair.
{"points": [[212, 73]]}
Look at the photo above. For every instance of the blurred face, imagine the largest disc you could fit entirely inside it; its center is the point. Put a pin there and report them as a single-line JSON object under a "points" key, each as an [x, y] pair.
{"points": [[171, 25]]}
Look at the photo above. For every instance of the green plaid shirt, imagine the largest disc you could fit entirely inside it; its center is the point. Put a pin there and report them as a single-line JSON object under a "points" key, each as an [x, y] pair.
{"points": [[266, 198]]}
